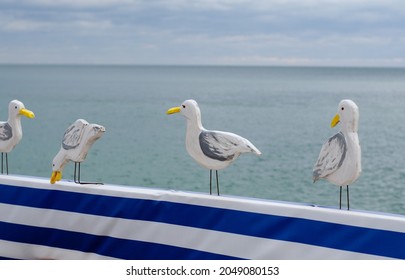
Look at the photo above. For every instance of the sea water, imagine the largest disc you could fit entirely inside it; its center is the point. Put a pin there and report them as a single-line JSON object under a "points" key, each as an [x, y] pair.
{"points": [[284, 111]]}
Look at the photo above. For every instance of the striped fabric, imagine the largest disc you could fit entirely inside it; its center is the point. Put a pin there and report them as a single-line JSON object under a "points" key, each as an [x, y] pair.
{"points": [[70, 221]]}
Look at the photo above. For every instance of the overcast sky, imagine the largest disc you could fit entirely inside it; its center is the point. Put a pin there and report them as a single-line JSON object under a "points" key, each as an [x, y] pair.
{"points": [[230, 32]]}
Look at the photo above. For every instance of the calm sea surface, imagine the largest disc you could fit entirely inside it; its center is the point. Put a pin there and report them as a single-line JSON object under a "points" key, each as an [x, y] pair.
{"points": [[284, 111]]}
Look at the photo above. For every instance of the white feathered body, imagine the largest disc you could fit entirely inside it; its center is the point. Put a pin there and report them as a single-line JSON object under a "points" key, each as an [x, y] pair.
{"points": [[350, 169], [7, 144], [214, 149], [230, 145]]}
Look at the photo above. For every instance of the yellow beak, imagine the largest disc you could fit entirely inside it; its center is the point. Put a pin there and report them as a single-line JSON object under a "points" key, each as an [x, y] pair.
{"points": [[56, 176], [335, 121], [27, 113], [173, 110]]}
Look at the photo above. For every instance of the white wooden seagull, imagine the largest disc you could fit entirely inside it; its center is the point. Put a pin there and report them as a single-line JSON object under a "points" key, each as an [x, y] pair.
{"points": [[76, 143], [214, 150], [339, 161], [11, 130]]}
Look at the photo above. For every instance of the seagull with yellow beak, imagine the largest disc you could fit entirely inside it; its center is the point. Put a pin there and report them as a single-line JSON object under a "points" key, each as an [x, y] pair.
{"points": [[11, 130], [339, 161], [78, 138], [214, 150]]}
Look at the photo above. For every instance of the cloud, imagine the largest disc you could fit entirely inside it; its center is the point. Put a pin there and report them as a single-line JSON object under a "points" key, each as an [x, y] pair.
{"points": [[206, 31], [264, 60], [93, 24], [77, 3], [12, 25]]}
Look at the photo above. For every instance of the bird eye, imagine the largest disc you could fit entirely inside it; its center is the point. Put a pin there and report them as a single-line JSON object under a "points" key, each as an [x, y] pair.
{"points": [[16, 107], [343, 108], [184, 106]]}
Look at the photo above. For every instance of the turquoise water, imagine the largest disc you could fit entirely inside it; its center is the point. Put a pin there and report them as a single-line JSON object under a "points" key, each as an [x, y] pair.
{"points": [[284, 111]]}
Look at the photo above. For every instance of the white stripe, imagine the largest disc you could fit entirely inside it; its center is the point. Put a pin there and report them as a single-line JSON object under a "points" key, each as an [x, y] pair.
{"points": [[240, 246]]}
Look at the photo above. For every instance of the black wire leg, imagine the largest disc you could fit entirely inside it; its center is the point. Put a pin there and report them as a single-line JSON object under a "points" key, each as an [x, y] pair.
{"points": [[210, 181], [347, 197], [216, 172], [2, 163], [76, 176], [77, 181]]}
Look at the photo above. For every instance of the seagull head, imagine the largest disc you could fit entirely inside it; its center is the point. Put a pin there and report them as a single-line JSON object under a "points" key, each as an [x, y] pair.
{"points": [[347, 115], [189, 109], [17, 109], [58, 164]]}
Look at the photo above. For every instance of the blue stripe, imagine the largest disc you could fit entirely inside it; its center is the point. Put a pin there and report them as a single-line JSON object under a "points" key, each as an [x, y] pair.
{"points": [[6, 259], [324, 234], [102, 245]]}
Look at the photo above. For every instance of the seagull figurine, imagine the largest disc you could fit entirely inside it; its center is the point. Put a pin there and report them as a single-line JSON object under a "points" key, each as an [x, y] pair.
{"points": [[11, 130], [339, 161], [76, 143], [214, 150]]}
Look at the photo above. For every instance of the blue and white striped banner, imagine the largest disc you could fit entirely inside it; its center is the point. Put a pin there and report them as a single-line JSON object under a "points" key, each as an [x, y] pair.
{"points": [[69, 221]]}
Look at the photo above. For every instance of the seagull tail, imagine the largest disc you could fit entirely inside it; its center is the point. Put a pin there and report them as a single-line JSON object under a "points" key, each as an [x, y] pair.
{"points": [[315, 175], [254, 149]]}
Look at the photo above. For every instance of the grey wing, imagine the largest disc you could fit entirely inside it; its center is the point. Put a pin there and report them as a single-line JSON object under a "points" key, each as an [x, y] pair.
{"points": [[73, 135], [331, 157], [218, 146], [6, 132]]}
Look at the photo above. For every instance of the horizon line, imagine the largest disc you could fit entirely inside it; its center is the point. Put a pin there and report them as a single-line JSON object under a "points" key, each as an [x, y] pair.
{"points": [[198, 65]]}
